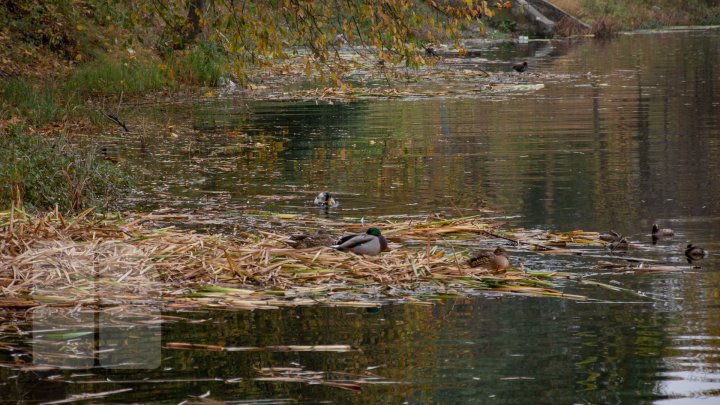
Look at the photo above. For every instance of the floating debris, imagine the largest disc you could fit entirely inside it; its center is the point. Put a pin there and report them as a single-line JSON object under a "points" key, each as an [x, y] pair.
{"points": [[299, 374], [289, 348], [135, 260], [88, 396]]}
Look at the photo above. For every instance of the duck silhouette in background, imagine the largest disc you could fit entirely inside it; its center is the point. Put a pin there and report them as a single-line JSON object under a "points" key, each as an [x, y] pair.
{"points": [[659, 233], [520, 67], [694, 253]]}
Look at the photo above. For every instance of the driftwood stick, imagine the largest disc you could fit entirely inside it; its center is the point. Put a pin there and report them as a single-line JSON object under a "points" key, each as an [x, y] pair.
{"points": [[116, 120], [114, 117]]}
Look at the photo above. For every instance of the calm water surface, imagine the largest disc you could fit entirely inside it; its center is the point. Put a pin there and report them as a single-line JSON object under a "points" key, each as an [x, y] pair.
{"points": [[624, 134]]}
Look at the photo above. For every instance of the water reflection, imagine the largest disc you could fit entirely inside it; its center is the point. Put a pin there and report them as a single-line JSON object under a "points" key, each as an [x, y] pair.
{"points": [[623, 135], [619, 136], [475, 351]]}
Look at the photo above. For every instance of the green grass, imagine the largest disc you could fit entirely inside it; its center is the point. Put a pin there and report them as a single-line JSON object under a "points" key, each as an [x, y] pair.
{"points": [[204, 64], [106, 76], [711, 16], [51, 172], [38, 103], [42, 103], [62, 99]]}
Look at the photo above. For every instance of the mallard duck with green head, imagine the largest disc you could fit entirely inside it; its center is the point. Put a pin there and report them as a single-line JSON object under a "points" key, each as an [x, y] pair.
{"points": [[695, 252], [326, 200], [370, 243], [497, 261]]}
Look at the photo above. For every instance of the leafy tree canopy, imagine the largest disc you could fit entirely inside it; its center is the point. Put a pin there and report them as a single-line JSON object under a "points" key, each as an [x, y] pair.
{"points": [[259, 33]]}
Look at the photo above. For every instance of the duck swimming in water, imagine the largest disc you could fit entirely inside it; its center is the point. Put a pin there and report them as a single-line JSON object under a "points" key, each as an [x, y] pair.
{"points": [[370, 243], [695, 252], [326, 200], [497, 261], [660, 232], [520, 67]]}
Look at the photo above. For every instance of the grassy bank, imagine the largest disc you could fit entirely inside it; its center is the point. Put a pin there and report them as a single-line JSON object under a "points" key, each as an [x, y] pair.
{"points": [[96, 50], [40, 102], [63, 61], [42, 173], [644, 14]]}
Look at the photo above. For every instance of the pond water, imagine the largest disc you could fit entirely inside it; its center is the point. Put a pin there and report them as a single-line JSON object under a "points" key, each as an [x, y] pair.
{"points": [[623, 134]]}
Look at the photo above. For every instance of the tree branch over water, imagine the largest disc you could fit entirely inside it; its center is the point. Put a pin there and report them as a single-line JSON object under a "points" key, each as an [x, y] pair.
{"points": [[261, 33]]}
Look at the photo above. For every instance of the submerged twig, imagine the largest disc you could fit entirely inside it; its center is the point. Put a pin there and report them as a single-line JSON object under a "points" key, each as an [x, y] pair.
{"points": [[116, 120]]}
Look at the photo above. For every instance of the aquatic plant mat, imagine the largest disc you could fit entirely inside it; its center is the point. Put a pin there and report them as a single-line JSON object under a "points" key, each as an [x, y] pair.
{"points": [[140, 259]]}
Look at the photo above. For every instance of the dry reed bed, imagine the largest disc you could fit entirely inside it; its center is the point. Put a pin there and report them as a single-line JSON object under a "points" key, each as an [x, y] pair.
{"points": [[110, 260]]}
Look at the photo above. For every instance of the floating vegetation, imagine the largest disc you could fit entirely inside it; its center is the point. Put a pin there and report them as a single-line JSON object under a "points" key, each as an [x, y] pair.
{"points": [[135, 259], [344, 95]]}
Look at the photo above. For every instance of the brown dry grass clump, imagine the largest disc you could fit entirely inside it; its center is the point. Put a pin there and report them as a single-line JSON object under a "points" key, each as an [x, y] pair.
{"points": [[605, 27], [110, 260], [567, 27]]}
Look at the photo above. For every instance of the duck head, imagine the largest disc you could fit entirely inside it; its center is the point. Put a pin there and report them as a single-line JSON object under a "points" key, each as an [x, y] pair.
{"points": [[374, 231], [500, 252], [383, 242]]}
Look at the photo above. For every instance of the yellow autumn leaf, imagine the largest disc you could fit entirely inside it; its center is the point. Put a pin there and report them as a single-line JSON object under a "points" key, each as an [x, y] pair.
{"points": [[80, 27]]}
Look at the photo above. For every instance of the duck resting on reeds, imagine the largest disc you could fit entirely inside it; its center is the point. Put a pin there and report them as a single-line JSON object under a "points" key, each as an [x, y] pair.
{"points": [[610, 236], [304, 241], [326, 200], [370, 243], [619, 245], [497, 261], [695, 252]]}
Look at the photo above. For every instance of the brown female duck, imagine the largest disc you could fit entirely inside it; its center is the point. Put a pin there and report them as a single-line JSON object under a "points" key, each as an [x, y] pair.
{"points": [[611, 236], [620, 245], [304, 241], [497, 261]]}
